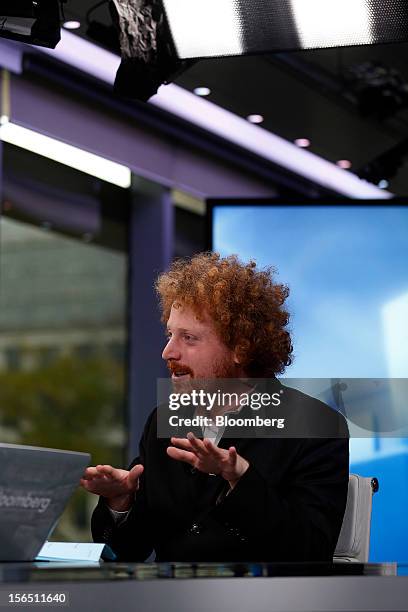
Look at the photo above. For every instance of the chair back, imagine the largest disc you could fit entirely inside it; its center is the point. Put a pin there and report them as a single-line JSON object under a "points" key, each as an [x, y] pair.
{"points": [[354, 539]]}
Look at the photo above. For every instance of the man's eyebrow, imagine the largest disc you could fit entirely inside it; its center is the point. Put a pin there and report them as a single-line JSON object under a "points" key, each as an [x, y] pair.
{"points": [[183, 329]]}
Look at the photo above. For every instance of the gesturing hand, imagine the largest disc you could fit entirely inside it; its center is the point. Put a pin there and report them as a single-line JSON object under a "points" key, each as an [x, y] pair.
{"points": [[116, 485], [208, 458]]}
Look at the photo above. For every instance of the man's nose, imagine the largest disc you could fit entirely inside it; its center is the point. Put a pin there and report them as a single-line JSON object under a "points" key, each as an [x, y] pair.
{"points": [[171, 351]]}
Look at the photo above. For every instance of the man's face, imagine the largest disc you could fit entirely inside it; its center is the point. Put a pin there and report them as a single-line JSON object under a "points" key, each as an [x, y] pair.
{"points": [[194, 349]]}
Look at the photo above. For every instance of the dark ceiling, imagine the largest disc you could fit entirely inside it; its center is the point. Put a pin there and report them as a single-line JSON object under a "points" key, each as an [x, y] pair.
{"points": [[315, 95]]}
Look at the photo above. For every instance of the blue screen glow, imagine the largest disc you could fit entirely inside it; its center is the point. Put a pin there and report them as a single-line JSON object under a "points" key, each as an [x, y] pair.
{"points": [[347, 270]]}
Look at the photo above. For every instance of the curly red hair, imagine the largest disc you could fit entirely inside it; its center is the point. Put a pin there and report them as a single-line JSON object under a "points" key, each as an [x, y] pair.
{"points": [[245, 304]]}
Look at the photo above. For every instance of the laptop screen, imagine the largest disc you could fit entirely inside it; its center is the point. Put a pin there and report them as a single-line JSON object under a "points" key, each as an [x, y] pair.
{"points": [[35, 486]]}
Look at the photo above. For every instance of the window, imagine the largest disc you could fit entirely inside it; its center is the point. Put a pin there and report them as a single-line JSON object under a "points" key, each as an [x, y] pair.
{"points": [[63, 299]]}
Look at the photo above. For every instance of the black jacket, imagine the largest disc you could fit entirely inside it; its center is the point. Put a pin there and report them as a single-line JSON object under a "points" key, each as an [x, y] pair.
{"points": [[288, 506]]}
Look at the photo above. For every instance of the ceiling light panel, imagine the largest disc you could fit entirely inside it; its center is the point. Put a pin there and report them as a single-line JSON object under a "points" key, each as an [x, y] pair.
{"points": [[205, 27], [209, 28], [63, 153], [330, 23]]}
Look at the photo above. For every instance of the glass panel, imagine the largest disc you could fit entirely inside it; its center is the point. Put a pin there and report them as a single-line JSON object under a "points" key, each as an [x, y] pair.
{"points": [[63, 268]]}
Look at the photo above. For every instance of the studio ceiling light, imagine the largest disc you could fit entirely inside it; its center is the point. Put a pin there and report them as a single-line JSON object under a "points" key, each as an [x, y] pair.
{"points": [[72, 25], [63, 153], [211, 28], [202, 91], [330, 23], [205, 27], [255, 118], [303, 143], [159, 39], [344, 163]]}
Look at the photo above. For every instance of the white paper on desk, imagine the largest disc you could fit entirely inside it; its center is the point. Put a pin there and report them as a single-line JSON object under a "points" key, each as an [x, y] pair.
{"points": [[70, 551]]}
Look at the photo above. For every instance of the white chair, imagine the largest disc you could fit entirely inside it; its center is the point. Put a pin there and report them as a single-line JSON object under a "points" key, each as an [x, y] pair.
{"points": [[354, 539]]}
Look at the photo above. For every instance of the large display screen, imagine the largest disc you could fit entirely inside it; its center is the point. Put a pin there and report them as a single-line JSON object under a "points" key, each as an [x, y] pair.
{"points": [[346, 265]]}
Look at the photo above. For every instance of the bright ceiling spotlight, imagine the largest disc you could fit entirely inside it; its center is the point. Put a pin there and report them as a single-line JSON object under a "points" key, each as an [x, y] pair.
{"points": [[344, 163], [72, 24], [255, 118], [202, 91], [303, 143]]}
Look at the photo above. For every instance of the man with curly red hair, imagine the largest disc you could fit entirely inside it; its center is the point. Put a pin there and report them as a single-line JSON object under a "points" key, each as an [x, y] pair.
{"points": [[274, 498]]}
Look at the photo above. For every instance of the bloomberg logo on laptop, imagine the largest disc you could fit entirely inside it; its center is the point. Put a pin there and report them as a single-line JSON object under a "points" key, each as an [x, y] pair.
{"points": [[23, 499]]}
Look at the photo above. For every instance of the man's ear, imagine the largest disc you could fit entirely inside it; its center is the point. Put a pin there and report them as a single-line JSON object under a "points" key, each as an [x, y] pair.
{"points": [[236, 358]]}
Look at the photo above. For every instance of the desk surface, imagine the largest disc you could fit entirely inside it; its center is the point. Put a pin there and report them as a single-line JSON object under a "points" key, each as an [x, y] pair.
{"points": [[24, 572], [230, 587]]}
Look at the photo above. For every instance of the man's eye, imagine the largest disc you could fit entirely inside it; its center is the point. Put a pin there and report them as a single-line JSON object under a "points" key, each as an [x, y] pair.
{"points": [[188, 337], [168, 335]]}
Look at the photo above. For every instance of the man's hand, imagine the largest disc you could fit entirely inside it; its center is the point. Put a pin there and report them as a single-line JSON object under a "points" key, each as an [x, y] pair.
{"points": [[117, 486], [206, 457]]}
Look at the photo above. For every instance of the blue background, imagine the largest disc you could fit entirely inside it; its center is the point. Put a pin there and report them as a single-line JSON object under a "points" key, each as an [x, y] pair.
{"points": [[347, 269]]}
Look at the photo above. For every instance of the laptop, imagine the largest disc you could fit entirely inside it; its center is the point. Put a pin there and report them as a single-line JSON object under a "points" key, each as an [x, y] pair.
{"points": [[35, 486]]}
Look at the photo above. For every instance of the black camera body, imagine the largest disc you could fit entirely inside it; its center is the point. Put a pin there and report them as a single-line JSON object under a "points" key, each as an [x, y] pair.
{"points": [[36, 22]]}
